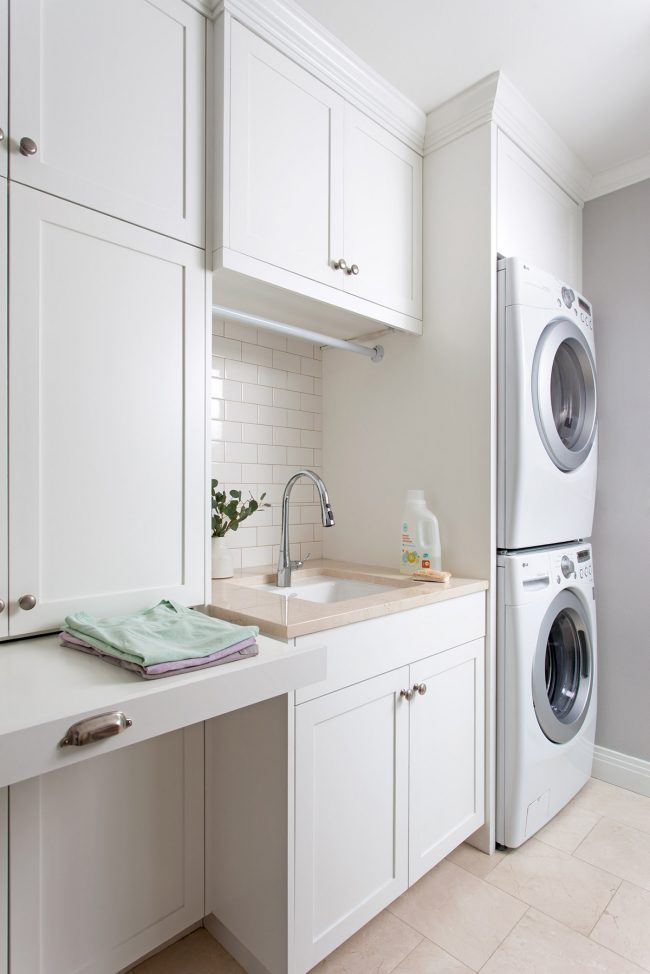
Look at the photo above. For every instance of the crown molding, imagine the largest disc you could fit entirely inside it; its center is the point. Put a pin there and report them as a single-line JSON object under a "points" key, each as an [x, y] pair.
{"points": [[618, 177], [293, 31], [495, 99]]}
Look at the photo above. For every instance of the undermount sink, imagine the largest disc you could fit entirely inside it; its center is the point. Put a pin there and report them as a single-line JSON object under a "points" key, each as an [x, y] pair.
{"points": [[325, 588]]}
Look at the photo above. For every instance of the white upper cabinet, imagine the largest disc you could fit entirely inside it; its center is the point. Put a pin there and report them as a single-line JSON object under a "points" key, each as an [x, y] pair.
{"points": [[382, 206], [4, 85], [307, 187], [4, 575], [107, 421], [107, 100], [536, 220], [285, 129]]}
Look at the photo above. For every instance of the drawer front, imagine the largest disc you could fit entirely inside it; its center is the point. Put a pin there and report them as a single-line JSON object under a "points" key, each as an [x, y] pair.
{"points": [[366, 649]]}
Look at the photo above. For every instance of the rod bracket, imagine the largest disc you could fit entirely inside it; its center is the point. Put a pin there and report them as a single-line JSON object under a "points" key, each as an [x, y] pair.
{"points": [[377, 353]]}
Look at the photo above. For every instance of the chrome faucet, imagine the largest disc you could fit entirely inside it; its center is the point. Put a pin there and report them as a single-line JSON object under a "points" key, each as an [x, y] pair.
{"points": [[285, 564]]}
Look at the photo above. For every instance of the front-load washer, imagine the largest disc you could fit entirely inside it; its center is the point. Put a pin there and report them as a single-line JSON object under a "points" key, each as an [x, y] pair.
{"points": [[546, 685], [547, 429]]}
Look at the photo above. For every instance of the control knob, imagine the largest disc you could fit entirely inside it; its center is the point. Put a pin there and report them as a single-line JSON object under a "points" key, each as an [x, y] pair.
{"points": [[567, 566]]}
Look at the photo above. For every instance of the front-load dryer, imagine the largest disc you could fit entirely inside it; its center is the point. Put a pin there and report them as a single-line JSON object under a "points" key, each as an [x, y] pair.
{"points": [[546, 685], [547, 430]]}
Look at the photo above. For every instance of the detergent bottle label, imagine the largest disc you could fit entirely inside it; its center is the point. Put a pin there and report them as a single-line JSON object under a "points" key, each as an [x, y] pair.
{"points": [[412, 558]]}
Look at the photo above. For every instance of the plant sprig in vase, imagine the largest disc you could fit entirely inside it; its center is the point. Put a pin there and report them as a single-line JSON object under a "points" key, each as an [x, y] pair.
{"points": [[228, 512]]}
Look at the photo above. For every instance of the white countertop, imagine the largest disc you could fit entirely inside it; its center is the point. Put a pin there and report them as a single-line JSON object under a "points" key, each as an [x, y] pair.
{"points": [[45, 687]]}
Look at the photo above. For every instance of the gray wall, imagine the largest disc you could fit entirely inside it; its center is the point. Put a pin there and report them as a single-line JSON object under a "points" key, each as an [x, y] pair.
{"points": [[616, 279]]}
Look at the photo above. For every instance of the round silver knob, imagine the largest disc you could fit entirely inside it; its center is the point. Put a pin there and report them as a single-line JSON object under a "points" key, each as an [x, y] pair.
{"points": [[567, 566], [27, 602], [420, 688], [2, 605], [2, 135], [354, 269], [340, 265], [27, 146], [407, 694]]}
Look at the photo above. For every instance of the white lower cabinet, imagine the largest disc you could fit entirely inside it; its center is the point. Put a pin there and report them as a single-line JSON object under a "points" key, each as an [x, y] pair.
{"points": [[352, 752], [107, 857]]}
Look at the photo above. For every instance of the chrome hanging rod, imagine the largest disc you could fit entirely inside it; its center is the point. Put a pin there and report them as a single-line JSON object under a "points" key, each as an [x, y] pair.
{"points": [[375, 354]]}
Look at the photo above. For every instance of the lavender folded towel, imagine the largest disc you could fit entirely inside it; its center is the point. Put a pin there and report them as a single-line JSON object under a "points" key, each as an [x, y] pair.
{"points": [[241, 650]]}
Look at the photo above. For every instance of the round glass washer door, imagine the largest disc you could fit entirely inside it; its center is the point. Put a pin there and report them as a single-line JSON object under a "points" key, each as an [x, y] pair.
{"points": [[563, 669], [564, 393]]}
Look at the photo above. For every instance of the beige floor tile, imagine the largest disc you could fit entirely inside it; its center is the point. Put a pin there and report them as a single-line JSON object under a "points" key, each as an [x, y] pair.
{"points": [[625, 925], [376, 949], [198, 953], [474, 860], [620, 850], [617, 803], [459, 912], [540, 945], [431, 959], [569, 827], [573, 892]]}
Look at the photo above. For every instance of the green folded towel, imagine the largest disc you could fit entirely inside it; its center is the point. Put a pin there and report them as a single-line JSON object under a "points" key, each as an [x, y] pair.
{"points": [[165, 633]]}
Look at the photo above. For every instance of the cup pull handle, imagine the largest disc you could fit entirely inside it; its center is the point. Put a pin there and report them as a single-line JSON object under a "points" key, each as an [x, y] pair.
{"points": [[97, 728]]}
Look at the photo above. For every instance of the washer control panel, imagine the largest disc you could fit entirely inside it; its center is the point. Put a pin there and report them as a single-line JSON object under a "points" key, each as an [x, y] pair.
{"points": [[536, 571]]}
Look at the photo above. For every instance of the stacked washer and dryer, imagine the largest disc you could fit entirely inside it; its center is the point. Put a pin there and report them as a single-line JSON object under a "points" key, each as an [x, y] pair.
{"points": [[546, 614]]}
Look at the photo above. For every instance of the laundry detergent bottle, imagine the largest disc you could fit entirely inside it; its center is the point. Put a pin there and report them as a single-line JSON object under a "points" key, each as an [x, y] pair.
{"points": [[420, 535]]}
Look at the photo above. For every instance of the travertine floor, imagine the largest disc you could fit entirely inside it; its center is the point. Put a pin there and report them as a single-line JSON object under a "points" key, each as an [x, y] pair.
{"points": [[573, 900]]}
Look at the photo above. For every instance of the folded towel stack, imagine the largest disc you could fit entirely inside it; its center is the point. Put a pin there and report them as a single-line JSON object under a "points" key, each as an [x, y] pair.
{"points": [[161, 641]]}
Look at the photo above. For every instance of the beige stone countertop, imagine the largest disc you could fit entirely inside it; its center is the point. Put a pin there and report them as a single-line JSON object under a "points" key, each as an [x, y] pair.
{"points": [[239, 599]]}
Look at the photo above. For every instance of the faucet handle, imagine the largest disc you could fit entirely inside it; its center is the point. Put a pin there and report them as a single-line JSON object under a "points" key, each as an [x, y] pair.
{"points": [[299, 564]]}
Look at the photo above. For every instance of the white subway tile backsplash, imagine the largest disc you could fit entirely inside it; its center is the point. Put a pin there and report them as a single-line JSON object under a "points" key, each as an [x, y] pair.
{"points": [[241, 371], [241, 452], [226, 347], [286, 361], [255, 433], [284, 397], [266, 421], [272, 377], [241, 412], [262, 395], [272, 416], [217, 327], [256, 354], [284, 436], [300, 383]]}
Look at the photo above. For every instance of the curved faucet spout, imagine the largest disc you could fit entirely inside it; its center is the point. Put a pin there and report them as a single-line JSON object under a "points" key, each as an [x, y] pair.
{"points": [[285, 564]]}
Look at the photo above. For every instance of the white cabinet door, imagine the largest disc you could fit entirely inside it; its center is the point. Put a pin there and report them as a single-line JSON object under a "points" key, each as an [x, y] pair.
{"points": [[107, 414], [113, 95], [107, 857], [4, 880], [286, 137], [536, 220], [382, 216], [4, 549], [446, 766], [351, 811]]}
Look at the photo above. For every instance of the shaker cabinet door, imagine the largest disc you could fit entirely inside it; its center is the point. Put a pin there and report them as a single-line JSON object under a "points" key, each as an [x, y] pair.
{"points": [[351, 811], [107, 857], [4, 549], [111, 97], [382, 216], [446, 767], [107, 421], [286, 131]]}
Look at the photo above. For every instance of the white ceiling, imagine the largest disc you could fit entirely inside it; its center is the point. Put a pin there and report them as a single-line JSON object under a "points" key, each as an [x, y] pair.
{"points": [[583, 64]]}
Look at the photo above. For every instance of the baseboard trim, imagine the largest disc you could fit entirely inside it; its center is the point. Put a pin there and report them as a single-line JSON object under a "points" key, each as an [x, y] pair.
{"points": [[235, 947], [622, 770]]}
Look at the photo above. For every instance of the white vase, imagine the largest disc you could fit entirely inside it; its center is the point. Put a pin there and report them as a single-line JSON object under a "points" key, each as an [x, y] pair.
{"points": [[222, 566]]}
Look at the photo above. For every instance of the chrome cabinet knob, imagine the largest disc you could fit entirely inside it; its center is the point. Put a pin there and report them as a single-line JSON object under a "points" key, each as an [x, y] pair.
{"points": [[407, 694], [27, 602], [2, 605], [2, 135], [28, 147], [420, 688], [340, 265], [353, 270]]}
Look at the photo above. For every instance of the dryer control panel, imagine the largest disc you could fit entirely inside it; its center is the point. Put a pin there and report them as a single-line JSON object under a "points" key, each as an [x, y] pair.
{"points": [[535, 288]]}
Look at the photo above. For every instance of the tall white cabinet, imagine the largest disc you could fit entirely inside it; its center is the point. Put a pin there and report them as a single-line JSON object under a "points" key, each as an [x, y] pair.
{"points": [[107, 108]]}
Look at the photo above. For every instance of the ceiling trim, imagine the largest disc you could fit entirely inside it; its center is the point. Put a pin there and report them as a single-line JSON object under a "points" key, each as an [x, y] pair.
{"points": [[618, 177], [286, 25], [495, 99]]}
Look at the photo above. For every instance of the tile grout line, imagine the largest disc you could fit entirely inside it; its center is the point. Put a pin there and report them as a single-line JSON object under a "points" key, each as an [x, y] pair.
{"points": [[512, 929], [424, 936], [406, 956]]}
